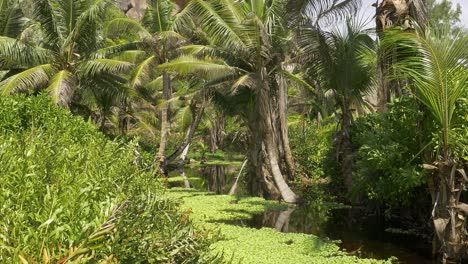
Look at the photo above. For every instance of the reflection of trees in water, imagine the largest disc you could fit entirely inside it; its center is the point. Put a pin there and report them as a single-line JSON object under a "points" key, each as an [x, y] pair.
{"points": [[310, 219], [216, 179], [186, 181]]}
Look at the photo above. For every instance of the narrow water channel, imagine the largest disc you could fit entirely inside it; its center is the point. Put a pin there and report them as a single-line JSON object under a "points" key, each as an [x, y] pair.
{"points": [[359, 234]]}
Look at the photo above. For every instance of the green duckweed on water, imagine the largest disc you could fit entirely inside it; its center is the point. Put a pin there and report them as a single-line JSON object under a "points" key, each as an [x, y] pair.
{"points": [[249, 245]]}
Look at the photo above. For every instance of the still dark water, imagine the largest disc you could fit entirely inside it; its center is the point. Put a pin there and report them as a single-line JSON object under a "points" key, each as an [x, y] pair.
{"points": [[358, 233]]}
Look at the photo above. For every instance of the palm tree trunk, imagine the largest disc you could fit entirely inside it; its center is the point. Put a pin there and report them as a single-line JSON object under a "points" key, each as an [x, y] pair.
{"points": [[283, 126], [188, 139], [233, 189], [449, 213], [265, 156], [217, 132], [167, 94], [345, 151]]}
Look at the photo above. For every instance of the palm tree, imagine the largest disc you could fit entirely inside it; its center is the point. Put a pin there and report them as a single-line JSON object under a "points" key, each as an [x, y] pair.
{"points": [[68, 58], [401, 15], [159, 43], [337, 59], [437, 66], [252, 38]]}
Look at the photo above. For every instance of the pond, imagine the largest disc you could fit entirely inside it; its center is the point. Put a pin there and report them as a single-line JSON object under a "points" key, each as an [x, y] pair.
{"points": [[359, 234]]}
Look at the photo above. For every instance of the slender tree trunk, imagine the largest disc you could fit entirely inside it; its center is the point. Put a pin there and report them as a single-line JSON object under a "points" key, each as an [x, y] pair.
{"points": [[266, 156], [217, 132], [184, 177], [233, 189], [217, 181], [167, 94], [183, 156], [283, 124], [191, 132], [345, 151]]}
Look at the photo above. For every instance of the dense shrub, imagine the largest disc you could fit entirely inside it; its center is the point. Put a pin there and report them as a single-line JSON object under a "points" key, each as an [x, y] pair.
{"points": [[311, 144], [388, 151], [68, 193]]}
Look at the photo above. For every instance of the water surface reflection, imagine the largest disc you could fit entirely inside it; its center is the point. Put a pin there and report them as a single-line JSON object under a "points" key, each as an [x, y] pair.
{"points": [[359, 233]]}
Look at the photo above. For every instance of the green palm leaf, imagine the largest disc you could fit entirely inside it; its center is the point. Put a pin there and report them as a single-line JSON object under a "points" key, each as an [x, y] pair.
{"points": [[326, 11], [298, 80], [437, 64], [132, 56], [143, 72], [14, 53], [158, 16], [184, 118], [11, 21], [125, 25], [186, 65], [61, 88], [31, 79], [44, 13], [127, 51], [98, 67], [155, 85], [220, 23]]}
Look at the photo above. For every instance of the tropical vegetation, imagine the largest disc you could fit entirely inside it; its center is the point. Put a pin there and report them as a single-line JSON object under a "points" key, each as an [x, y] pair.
{"points": [[104, 104]]}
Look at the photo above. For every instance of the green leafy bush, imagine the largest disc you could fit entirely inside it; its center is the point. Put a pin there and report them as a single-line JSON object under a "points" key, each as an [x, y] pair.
{"points": [[387, 153], [310, 145], [69, 193]]}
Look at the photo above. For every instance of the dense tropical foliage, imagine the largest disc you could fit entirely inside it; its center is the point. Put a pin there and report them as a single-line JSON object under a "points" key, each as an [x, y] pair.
{"points": [[102, 101], [69, 194]]}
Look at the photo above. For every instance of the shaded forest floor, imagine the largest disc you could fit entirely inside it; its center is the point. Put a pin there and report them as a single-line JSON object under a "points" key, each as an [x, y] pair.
{"points": [[240, 244]]}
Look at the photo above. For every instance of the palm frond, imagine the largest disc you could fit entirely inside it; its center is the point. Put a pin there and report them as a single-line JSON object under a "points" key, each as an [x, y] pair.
{"points": [[11, 21], [120, 26], [69, 12], [219, 22], [143, 72], [119, 49], [158, 16], [248, 80], [62, 87], [298, 80], [132, 56], [98, 67], [32, 79], [184, 117], [44, 13], [321, 11], [86, 27], [14, 53], [438, 66], [186, 65], [155, 85]]}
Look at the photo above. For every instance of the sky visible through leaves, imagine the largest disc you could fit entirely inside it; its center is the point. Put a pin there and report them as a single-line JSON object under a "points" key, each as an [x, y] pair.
{"points": [[368, 11]]}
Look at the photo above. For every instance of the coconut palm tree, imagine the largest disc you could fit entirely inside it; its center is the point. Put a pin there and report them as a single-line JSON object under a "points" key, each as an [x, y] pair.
{"points": [[67, 60], [337, 59], [437, 66], [394, 14], [253, 39], [159, 43]]}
